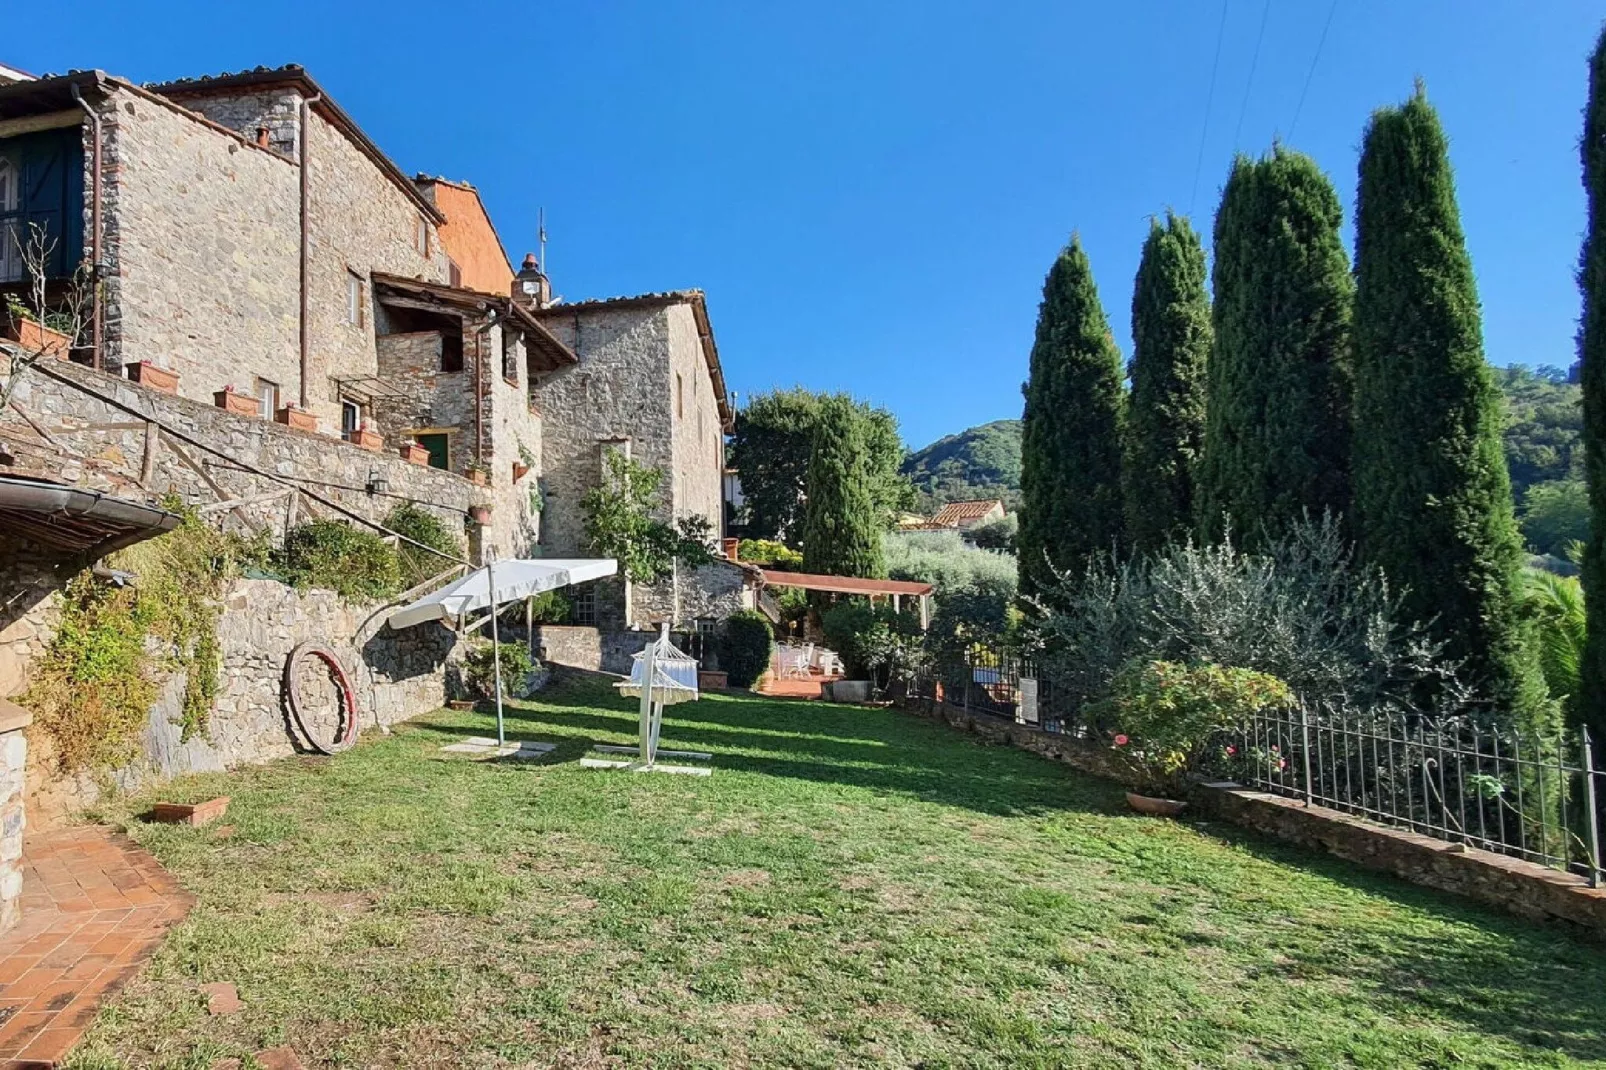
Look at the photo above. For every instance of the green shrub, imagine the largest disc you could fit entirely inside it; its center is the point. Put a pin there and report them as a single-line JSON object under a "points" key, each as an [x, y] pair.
{"points": [[479, 669], [1167, 717], [417, 565], [358, 565], [745, 645], [550, 607], [869, 636], [767, 553]]}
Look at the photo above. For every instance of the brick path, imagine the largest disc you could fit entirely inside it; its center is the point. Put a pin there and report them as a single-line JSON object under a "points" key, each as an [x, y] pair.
{"points": [[94, 908]]}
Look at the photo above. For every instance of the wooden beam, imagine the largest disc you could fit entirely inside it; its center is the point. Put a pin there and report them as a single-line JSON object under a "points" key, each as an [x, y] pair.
{"points": [[153, 445], [29, 124]]}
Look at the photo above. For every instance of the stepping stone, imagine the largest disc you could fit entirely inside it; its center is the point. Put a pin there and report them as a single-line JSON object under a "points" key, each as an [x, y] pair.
{"points": [[221, 998], [280, 1058], [482, 748], [226, 1064], [638, 767]]}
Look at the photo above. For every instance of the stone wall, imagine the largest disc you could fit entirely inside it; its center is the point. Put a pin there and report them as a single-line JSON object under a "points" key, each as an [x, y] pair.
{"points": [[698, 439], [469, 237], [360, 221], [28, 609], [248, 111], [618, 391], [201, 250], [1522, 888], [714, 591], [62, 399], [570, 645], [418, 394]]}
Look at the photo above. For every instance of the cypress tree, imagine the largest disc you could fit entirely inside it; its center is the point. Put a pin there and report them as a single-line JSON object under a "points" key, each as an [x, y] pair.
{"points": [[1070, 434], [1277, 427], [1592, 355], [841, 526], [1170, 349], [1433, 503]]}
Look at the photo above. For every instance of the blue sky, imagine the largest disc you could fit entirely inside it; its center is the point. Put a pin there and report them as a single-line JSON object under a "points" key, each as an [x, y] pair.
{"points": [[870, 193]]}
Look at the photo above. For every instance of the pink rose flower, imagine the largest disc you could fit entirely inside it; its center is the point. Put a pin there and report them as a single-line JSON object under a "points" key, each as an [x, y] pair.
{"points": [[1120, 741]]}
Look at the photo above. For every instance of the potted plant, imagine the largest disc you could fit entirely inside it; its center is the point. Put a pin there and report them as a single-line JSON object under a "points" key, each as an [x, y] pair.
{"points": [[1169, 718], [24, 328], [297, 417], [480, 514], [478, 474], [413, 453], [239, 404], [368, 437]]}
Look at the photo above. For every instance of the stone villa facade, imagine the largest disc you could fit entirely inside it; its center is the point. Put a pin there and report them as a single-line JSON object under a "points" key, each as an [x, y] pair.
{"points": [[285, 322]]}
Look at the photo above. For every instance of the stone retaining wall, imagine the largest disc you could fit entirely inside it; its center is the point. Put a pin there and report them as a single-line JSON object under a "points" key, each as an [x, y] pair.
{"points": [[1522, 888]]}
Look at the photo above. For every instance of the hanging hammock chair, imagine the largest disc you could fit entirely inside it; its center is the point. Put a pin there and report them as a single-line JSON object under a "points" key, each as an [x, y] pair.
{"points": [[660, 676]]}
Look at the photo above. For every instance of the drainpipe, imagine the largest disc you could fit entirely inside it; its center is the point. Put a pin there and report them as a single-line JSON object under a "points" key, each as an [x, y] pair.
{"points": [[479, 386], [306, 246], [95, 315]]}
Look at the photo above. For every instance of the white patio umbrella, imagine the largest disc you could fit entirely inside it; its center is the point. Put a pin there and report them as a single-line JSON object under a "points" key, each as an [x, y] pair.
{"points": [[495, 585]]}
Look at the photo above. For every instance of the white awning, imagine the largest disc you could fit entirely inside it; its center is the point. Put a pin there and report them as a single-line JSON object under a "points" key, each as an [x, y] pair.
{"points": [[515, 580]]}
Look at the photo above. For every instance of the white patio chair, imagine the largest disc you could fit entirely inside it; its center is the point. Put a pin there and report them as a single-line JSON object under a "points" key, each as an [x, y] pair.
{"points": [[794, 664]]}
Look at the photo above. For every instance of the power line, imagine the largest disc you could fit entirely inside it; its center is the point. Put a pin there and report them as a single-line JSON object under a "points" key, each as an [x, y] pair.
{"points": [[1254, 61], [1210, 97], [1310, 74]]}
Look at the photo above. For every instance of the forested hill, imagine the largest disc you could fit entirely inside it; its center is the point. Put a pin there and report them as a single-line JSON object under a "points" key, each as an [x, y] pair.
{"points": [[981, 462], [1543, 422]]}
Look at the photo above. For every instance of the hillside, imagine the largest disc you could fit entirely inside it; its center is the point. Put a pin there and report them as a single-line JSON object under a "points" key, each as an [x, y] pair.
{"points": [[980, 462], [1542, 444]]}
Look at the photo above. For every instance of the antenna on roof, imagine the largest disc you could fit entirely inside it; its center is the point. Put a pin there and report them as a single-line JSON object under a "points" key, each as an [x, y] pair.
{"points": [[540, 235]]}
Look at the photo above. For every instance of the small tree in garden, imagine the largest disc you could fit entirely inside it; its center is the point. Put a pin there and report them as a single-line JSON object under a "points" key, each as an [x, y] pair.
{"points": [[1433, 504], [620, 523], [66, 316], [1592, 353], [841, 531], [1070, 435], [745, 646], [1277, 429], [1165, 418]]}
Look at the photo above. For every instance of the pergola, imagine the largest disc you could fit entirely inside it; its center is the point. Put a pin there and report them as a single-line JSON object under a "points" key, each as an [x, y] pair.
{"points": [[897, 590]]}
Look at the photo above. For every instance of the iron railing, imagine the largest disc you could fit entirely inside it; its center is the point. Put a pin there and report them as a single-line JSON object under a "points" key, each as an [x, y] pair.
{"points": [[1522, 794], [1526, 795]]}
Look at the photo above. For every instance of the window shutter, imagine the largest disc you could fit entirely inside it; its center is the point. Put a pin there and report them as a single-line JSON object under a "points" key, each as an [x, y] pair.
{"points": [[53, 195]]}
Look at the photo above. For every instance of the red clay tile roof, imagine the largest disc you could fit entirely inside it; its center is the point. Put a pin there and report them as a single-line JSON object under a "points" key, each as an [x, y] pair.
{"points": [[958, 512], [810, 581]]}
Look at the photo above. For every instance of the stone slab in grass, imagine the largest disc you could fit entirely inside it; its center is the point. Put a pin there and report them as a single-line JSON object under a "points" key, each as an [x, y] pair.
{"points": [[190, 813], [483, 748], [638, 767]]}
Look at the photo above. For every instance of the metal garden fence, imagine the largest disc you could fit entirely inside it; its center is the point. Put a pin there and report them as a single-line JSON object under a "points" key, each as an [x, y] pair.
{"points": [[1452, 779]]}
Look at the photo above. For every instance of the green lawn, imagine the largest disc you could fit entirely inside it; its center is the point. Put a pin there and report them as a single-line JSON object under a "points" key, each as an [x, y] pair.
{"points": [[851, 888]]}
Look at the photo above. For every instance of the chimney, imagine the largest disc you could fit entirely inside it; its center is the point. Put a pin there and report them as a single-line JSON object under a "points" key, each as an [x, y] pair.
{"points": [[731, 548], [530, 286]]}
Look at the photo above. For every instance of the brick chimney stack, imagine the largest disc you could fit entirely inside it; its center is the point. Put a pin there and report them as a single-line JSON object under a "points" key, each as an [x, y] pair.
{"points": [[530, 286]]}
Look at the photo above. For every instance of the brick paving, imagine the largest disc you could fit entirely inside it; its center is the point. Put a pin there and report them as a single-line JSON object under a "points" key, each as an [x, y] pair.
{"points": [[94, 908]]}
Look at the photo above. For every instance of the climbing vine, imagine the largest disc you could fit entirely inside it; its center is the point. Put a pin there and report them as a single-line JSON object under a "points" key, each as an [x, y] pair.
{"points": [[117, 643]]}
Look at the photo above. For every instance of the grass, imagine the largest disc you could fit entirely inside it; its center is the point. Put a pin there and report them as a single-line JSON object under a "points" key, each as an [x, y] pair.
{"points": [[850, 888]]}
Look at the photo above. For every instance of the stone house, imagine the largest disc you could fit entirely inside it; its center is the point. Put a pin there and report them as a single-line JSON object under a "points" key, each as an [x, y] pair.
{"points": [[248, 215]]}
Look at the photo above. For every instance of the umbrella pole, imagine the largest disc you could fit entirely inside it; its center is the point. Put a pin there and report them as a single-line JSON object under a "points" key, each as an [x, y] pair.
{"points": [[496, 645], [644, 729]]}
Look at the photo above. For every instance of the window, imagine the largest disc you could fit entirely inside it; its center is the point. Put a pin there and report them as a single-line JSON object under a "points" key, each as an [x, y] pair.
{"points": [[353, 298], [350, 420], [510, 356], [439, 447], [10, 222], [267, 398], [454, 272], [452, 351], [583, 605], [423, 236]]}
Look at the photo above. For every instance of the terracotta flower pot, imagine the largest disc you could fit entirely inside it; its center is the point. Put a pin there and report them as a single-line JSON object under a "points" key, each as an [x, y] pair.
{"points": [[1152, 804], [239, 404], [413, 453], [520, 471], [147, 374], [300, 419], [480, 514], [479, 477], [35, 336], [368, 440]]}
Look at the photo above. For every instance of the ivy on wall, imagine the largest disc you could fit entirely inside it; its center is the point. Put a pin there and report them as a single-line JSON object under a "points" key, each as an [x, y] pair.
{"points": [[116, 645]]}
